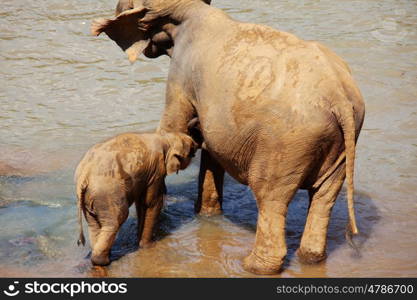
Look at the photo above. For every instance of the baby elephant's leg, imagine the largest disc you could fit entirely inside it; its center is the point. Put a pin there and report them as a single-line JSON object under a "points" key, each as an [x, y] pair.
{"points": [[148, 212], [93, 228], [112, 211]]}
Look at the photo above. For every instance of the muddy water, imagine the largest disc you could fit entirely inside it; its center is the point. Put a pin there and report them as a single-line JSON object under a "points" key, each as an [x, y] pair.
{"points": [[62, 90]]}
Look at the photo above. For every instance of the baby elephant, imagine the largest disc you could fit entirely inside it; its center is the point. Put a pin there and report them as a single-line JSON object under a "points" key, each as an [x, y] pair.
{"points": [[128, 168]]}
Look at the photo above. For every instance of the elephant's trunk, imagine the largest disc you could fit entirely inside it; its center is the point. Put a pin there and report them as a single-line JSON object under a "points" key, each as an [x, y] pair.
{"points": [[101, 251]]}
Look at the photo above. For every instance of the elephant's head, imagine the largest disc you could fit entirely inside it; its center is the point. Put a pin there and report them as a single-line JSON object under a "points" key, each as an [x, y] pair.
{"points": [[180, 150], [144, 26]]}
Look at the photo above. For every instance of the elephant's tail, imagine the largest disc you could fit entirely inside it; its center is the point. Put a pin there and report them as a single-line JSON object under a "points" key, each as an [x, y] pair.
{"points": [[81, 190], [347, 122]]}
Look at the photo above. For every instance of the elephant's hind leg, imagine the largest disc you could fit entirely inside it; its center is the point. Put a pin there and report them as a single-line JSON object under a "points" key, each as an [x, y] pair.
{"points": [[270, 248], [313, 242], [93, 228], [273, 197]]}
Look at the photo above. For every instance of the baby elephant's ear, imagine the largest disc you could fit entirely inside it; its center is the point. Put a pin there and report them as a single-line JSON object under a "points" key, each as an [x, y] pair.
{"points": [[172, 162], [124, 30]]}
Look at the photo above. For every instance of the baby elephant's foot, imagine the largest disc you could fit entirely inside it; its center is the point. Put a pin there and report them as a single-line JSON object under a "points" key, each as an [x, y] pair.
{"points": [[100, 260], [260, 266], [146, 244], [310, 257]]}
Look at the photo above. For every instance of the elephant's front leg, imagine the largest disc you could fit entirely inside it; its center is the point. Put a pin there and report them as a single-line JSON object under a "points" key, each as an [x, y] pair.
{"points": [[210, 186], [150, 210], [178, 110]]}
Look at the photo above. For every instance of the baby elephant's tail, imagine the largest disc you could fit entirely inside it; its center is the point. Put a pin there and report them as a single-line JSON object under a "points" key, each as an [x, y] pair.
{"points": [[81, 189]]}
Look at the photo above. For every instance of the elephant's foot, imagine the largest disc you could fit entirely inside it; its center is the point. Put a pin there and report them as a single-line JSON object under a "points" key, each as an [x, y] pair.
{"points": [[100, 260], [310, 257], [209, 211], [146, 244], [260, 266], [210, 206]]}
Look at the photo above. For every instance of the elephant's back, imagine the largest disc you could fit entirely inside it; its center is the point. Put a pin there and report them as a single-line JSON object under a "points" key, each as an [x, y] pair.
{"points": [[257, 64], [120, 157]]}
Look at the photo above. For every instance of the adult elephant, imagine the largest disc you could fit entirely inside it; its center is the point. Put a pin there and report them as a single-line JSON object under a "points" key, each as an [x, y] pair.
{"points": [[276, 112]]}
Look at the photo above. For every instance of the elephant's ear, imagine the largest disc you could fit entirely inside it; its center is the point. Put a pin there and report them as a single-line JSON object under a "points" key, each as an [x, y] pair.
{"points": [[125, 31], [172, 162]]}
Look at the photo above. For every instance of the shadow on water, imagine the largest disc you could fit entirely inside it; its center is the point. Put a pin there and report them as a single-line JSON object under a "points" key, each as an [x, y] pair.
{"points": [[241, 210], [178, 210]]}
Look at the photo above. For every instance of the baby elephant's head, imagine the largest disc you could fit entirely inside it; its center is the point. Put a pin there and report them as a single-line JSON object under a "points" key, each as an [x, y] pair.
{"points": [[181, 149]]}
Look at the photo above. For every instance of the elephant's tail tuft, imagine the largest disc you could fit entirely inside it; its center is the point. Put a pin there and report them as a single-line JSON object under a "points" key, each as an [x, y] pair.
{"points": [[81, 190], [347, 122]]}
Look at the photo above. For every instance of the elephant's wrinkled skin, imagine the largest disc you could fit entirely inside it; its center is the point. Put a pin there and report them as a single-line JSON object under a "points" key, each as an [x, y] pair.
{"points": [[276, 112], [129, 168]]}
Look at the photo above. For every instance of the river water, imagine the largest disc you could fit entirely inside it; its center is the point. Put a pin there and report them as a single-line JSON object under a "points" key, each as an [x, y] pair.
{"points": [[62, 90]]}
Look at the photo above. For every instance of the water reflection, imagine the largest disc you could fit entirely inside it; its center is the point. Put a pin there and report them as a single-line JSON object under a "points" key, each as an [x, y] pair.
{"points": [[62, 90]]}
